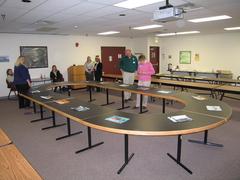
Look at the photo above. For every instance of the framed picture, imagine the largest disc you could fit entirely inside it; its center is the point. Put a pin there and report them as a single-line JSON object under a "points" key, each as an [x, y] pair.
{"points": [[36, 56], [185, 57]]}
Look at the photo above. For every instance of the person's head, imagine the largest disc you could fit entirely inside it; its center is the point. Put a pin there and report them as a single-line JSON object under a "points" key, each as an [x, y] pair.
{"points": [[97, 58], [141, 59], [89, 60], [128, 52], [54, 68], [9, 72], [20, 61]]}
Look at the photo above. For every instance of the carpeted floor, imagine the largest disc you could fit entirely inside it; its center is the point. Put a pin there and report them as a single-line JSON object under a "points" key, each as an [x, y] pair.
{"points": [[56, 160]]}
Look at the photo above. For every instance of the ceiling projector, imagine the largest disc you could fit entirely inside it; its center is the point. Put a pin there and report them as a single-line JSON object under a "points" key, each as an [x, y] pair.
{"points": [[168, 13]]}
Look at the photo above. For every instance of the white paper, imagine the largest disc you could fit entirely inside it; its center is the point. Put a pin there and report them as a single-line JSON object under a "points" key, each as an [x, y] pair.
{"points": [[179, 118], [164, 92], [46, 97], [200, 98], [124, 85], [214, 108]]}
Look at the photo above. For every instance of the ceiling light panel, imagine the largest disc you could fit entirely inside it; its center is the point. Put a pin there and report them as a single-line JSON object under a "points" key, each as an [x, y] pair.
{"points": [[148, 27], [131, 4], [212, 18]]}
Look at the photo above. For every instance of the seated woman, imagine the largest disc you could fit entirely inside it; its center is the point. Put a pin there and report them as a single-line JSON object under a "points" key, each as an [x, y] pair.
{"points": [[55, 74], [10, 75], [144, 72]]}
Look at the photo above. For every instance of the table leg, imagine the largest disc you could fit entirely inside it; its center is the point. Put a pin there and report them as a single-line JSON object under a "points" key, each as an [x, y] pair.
{"points": [[123, 106], [54, 123], [163, 105], [205, 141], [41, 116], [127, 158], [107, 98], [141, 105], [90, 146], [69, 131], [90, 94], [179, 151]]}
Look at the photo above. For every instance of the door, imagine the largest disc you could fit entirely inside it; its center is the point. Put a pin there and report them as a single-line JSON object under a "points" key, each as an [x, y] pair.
{"points": [[111, 58], [154, 57]]}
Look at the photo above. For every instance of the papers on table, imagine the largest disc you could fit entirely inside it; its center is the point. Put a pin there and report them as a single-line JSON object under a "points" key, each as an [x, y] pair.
{"points": [[46, 97], [200, 98], [214, 108], [62, 101], [124, 85], [80, 108], [142, 88], [179, 118], [117, 119], [35, 91], [164, 92]]}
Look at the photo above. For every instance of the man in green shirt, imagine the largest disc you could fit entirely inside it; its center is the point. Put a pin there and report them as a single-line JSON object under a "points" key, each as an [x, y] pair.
{"points": [[128, 67]]}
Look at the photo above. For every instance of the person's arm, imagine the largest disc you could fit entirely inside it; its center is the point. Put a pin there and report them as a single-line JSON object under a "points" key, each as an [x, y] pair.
{"points": [[51, 75]]}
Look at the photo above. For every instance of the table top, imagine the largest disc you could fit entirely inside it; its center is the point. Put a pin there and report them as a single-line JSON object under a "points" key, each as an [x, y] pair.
{"points": [[154, 125], [40, 79], [199, 72], [4, 139], [199, 78], [14, 166]]}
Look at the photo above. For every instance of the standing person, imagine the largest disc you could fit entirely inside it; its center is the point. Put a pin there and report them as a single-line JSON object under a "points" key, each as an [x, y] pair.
{"points": [[128, 67], [144, 72], [89, 68], [98, 70], [22, 81], [55, 74]]}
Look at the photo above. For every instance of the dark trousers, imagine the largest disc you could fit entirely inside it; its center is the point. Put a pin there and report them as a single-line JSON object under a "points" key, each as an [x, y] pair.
{"points": [[89, 77], [98, 79], [22, 89]]}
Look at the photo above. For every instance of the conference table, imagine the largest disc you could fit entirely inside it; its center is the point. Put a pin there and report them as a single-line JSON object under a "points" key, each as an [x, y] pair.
{"points": [[199, 78], [95, 116], [194, 73]]}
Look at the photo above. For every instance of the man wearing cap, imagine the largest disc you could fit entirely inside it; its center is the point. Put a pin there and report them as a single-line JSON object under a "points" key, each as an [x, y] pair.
{"points": [[128, 67]]}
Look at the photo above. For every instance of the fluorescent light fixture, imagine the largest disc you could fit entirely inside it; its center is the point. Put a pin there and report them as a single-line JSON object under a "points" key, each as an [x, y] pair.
{"points": [[213, 18], [131, 4], [187, 32], [177, 33], [232, 28], [109, 32], [166, 34], [147, 27]]}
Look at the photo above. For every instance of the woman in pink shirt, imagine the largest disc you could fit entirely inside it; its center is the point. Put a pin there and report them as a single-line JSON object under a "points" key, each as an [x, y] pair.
{"points": [[144, 72]]}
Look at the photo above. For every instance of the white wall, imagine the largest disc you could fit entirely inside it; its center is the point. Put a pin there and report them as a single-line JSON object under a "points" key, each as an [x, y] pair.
{"points": [[61, 51], [217, 51]]}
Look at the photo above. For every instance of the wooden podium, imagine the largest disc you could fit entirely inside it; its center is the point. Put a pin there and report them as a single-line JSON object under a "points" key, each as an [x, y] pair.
{"points": [[76, 74]]}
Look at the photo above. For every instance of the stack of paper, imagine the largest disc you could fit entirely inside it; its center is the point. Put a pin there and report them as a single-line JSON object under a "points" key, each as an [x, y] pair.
{"points": [[35, 91], [62, 101], [164, 92], [117, 119], [214, 108], [179, 118], [200, 98], [80, 108], [124, 85], [46, 97], [142, 88]]}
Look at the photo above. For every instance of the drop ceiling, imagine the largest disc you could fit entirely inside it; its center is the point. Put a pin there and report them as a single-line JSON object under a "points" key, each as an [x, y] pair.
{"points": [[94, 16]]}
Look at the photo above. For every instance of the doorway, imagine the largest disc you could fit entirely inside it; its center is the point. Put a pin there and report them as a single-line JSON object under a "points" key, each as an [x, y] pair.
{"points": [[154, 57], [111, 58]]}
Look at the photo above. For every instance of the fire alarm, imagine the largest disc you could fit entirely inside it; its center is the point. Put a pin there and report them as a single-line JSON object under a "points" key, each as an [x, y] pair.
{"points": [[76, 44]]}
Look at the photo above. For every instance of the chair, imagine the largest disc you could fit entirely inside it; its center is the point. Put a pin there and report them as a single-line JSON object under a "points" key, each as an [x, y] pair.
{"points": [[11, 88]]}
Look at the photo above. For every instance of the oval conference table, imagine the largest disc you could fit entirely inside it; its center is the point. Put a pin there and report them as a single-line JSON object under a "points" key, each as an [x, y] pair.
{"points": [[97, 117]]}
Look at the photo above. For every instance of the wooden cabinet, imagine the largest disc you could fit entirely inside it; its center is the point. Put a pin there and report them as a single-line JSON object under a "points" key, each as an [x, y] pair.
{"points": [[76, 74]]}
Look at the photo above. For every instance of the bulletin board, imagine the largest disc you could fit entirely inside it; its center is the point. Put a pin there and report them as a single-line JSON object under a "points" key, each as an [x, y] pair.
{"points": [[185, 57]]}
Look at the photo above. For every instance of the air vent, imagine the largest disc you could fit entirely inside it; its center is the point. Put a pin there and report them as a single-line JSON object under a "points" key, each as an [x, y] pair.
{"points": [[46, 29], [44, 22]]}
